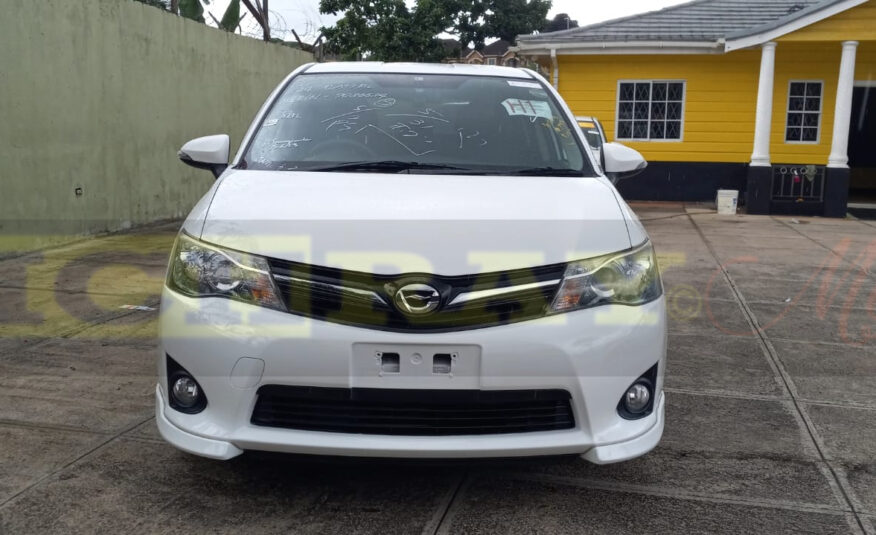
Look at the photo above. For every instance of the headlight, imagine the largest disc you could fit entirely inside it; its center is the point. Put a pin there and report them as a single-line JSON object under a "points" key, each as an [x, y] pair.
{"points": [[628, 278], [201, 270]]}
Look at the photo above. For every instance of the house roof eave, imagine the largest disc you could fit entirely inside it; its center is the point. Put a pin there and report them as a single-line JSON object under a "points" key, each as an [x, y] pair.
{"points": [[531, 48], [706, 42], [805, 17]]}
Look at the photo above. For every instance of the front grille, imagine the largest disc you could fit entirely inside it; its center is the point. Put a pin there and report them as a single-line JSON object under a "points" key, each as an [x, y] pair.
{"points": [[366, 299], [412, 412]]}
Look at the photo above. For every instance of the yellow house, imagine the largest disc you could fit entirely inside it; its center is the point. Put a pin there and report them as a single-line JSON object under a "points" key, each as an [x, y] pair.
{"points": [[769, 97]]}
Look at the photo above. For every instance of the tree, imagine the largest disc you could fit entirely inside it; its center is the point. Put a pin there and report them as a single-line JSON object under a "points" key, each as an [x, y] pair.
{"points": [[561, 21], [192, 9], [160, 4], [506, 19], [386, 30], [231, 18], [389, 30], [259, 11]]}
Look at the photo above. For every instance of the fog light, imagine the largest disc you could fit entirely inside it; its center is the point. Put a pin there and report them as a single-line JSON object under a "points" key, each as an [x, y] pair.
{"points": [[637, 398], [185, 392]]}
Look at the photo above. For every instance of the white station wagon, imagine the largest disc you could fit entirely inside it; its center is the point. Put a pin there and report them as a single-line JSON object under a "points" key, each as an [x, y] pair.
{"points": [[410, 260]]}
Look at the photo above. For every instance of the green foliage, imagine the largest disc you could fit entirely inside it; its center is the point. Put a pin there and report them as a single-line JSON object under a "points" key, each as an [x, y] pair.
{"points": [[388, 30], [160, 4], [561, 21], [231, 17], [192, 9], [480, 20], [506, 19]]}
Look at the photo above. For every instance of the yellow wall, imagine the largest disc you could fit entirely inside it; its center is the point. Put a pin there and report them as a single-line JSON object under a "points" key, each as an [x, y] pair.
{"points": [[865, 61], [812, 61], [720, 99], [856, 24], [804, 61], [813, 53]]}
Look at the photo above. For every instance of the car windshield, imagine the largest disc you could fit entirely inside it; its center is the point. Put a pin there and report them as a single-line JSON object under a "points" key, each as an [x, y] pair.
{"points": [[391, 122], [591, 134]]}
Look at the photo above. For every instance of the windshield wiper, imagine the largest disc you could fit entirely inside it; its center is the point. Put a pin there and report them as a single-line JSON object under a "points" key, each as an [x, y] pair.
{"points": [[387, 165], [540, 171]]}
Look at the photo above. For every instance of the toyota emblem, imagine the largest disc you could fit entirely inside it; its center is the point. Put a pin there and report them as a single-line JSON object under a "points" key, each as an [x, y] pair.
{"points": [[417, 299]]}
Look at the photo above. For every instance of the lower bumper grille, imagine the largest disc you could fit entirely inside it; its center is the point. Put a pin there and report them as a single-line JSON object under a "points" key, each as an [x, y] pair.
{"points": [[412, 412]]}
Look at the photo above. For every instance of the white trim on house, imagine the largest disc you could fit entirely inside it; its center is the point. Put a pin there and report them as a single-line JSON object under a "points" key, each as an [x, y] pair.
{"points": [[793, 26], [788, 111], [865, 83], [651, 81], [620, 47], [470, 55], [763, 115], [842, 113]]}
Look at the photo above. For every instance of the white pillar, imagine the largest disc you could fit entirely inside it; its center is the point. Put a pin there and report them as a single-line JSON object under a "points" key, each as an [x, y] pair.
{"points": [[556, 66], [760, 156], [839, 153]]}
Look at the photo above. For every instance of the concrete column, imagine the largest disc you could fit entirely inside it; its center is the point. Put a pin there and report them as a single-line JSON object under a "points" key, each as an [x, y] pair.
{"points": [[836, 177], [839, 153], [760, 156], [759, 176]]}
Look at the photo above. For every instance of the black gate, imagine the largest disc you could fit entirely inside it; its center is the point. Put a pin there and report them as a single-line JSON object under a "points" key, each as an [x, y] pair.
{"points": [[797, 189]]}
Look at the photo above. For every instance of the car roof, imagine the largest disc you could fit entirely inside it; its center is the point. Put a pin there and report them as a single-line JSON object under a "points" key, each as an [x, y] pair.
{"points": [[419, 68]]}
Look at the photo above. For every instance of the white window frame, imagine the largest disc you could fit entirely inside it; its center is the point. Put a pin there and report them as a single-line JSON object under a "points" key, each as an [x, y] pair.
{"points": [[788, 111], [617, 102], [491, 61]]}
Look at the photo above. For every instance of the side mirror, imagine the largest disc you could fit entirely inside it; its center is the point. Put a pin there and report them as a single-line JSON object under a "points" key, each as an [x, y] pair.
{"points": [[209, 152], [621, 161]]}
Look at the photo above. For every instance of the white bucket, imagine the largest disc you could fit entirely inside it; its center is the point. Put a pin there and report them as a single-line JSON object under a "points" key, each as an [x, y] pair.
{"points": [[726, 201]]}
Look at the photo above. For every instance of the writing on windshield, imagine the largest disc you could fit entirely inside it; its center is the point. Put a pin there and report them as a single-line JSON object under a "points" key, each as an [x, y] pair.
{"points": [[470, 122]]}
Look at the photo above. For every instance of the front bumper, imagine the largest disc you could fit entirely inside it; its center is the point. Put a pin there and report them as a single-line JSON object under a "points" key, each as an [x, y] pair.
{"points": [[420, 447], [593, 354]]}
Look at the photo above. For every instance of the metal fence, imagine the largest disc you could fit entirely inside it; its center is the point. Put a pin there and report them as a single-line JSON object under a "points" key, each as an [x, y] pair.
{"points": [[800, 183]]}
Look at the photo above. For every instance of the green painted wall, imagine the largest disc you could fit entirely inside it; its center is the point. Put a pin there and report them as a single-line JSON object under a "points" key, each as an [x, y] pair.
{"points": [[100, 95]]}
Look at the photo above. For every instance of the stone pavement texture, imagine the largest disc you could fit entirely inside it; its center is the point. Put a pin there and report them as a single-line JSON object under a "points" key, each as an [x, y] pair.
{"points": [[771, 407]]}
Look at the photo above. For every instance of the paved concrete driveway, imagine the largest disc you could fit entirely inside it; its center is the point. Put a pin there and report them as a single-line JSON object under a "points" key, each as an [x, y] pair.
{"points": [[771, 412]]}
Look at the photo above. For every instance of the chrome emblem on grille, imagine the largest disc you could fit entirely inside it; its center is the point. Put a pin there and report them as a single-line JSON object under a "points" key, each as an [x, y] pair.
{"points": [[417, 299]]}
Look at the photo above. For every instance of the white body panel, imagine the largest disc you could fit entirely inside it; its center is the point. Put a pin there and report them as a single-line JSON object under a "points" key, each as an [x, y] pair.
{"points": [[208, 149], [622, 159], [594, 354], [390, 224], [450, 225]]}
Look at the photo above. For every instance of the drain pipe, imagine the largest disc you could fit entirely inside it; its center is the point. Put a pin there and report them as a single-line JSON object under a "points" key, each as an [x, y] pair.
{"points": [[556, 65]]}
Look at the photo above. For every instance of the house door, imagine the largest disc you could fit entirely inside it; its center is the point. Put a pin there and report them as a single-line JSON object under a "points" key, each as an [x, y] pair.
{"points": [[862, 152]]}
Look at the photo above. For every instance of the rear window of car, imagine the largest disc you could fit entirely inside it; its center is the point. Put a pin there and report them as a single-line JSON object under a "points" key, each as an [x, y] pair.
{"points": [[478, 123]]}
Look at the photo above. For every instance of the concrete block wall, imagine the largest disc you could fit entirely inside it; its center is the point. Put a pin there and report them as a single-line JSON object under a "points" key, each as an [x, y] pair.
{"points": [[97, 96]]}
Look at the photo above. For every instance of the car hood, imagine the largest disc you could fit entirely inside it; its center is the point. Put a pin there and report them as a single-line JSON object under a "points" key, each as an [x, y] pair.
{"points": [[407, 223]]}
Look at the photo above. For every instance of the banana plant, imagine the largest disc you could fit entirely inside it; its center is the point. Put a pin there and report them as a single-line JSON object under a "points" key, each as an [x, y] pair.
{"points": [[231, 18], [192, 9]]}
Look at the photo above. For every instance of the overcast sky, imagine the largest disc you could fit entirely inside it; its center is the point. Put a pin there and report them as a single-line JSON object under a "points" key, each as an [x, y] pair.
{"points": [[303, 15]]}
